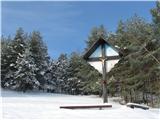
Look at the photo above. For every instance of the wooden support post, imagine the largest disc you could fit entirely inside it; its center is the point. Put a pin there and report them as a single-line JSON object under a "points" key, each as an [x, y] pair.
{"points": [[105, 96]]}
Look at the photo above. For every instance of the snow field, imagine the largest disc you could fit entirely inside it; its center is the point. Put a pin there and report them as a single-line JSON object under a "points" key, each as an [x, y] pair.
{"points": [[18, 105]]}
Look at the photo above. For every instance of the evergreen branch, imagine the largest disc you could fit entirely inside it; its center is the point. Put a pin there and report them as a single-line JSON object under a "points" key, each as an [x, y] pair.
{"points": [[152, 56]]}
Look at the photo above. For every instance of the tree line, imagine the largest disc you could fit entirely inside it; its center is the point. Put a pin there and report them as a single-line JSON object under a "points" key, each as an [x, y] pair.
{"points": [[26, 65]]}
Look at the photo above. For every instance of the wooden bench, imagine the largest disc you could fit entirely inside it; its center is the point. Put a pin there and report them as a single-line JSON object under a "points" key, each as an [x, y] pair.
{"points": [[86, 106], [134, 105]]}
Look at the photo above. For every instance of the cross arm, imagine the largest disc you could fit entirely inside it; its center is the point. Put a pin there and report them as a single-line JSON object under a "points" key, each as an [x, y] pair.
{"points": [[96, 59]]}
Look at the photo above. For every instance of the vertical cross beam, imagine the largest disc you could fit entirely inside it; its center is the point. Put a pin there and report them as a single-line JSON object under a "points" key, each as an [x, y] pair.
{"points": [[104, 81]]}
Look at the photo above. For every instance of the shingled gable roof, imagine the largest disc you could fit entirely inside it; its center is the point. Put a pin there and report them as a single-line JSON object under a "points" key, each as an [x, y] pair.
{"points": [[100, 41]]}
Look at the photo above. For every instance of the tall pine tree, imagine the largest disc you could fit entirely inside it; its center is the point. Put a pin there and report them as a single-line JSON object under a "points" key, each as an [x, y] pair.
{"points": [[15, 49], [40, 56], [25, 76], [62, 73]]}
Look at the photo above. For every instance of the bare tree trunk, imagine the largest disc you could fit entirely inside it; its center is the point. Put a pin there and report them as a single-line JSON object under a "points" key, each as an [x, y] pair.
{"points": [[152, 104]]}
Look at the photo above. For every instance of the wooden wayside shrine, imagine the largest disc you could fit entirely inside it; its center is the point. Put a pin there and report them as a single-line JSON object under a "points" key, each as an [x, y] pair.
{"points": [[103, 56]]}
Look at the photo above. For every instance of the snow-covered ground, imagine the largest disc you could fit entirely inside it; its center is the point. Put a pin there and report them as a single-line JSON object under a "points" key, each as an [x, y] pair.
{"points": [[17, 105]]}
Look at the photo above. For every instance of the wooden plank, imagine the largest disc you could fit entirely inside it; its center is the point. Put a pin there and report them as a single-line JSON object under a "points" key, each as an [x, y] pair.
{"points": [[86, 106], [112, 57], [96, 59], [104, 81]]}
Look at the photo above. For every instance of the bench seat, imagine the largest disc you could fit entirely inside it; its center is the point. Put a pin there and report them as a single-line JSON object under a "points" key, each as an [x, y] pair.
{"points": [[86, 106]]}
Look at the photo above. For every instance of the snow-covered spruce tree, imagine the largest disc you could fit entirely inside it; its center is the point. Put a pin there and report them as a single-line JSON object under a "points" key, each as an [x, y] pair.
{"points": [[83, 79], [74, 83], [25, 76], [5, 64], [15, 49], [62, 73], [50, 77], [40, 56]]}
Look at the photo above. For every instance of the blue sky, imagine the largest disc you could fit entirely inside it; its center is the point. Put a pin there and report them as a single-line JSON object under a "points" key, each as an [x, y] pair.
{"points": [[66, 25]]}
